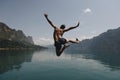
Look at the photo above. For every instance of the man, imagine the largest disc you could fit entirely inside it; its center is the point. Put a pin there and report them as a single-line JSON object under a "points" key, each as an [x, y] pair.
{"points": [[59, 42]]}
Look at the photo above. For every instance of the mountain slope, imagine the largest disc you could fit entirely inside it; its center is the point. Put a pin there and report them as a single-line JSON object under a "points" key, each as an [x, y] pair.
{"points": [[106, 42], [13, 35], [11, 39]]}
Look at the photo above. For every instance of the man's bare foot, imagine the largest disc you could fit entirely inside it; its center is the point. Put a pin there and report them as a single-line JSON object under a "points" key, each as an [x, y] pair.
{"points": [[77, 40]]}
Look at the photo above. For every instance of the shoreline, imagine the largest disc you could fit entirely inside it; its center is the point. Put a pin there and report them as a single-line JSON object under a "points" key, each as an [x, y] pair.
{"points": [[2, 49]]}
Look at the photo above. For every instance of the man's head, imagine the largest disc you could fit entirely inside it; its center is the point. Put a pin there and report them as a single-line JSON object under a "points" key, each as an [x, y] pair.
{"points": [[62, 26]]}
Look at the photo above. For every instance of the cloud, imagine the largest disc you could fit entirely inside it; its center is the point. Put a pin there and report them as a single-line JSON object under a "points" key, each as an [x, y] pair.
{"points": [[43, 41], [93, 32], [90, 36], [87, 10], [85, 37]]}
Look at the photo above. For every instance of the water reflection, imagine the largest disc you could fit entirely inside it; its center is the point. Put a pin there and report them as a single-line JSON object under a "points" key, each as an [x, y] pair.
{"points": [[10, 60], [110, 60]]}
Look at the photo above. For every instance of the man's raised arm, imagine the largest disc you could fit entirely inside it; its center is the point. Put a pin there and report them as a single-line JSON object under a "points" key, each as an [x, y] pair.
{"points": [[72, 27], [46, 16]]}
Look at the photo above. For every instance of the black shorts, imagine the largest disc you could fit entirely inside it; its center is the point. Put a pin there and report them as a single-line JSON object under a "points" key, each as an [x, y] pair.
{"points": [[60, 42]]}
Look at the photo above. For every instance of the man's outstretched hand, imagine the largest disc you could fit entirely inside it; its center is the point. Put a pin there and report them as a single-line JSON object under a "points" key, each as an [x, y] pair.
{"points": [[78, 24], [46, 15]]}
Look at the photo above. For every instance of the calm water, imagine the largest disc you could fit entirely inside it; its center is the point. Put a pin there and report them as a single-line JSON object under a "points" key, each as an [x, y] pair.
{"points": [[45, 65]]}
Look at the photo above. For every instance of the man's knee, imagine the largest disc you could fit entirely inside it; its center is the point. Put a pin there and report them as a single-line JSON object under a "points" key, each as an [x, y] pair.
{"points": [[58, 55], [58, 50]]}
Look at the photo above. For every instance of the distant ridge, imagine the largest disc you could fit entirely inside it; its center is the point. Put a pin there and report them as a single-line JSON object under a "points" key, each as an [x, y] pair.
{"points": [[15, 39], [13, 35], [108, 41]]}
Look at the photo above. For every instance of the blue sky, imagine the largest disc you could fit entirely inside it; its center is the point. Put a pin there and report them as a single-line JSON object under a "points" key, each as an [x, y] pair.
{"points": [[95, 17]]}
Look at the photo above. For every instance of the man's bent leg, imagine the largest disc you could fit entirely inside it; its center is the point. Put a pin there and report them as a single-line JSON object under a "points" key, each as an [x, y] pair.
{"points": [[63, 48], [60, 50], [71, 41]]}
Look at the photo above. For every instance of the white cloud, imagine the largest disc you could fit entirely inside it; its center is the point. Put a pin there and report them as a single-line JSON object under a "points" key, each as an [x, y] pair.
{"points": [[93, 32], [86, 37], [87, 10], [43, 41]]}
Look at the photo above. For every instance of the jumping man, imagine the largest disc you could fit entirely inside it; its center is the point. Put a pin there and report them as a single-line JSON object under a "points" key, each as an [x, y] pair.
{"points": [[59, 41]]}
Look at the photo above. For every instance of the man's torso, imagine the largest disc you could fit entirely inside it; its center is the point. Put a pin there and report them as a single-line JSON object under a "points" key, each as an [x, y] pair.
{"points": [[58, 33]]}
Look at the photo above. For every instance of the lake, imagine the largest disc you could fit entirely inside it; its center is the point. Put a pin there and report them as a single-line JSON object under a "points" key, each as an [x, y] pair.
{"points": [[45, 65]]}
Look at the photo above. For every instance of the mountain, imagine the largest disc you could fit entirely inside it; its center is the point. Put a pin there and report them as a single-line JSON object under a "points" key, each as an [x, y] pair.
{"points": [[13, 35], [108, 41], [15, 39]]}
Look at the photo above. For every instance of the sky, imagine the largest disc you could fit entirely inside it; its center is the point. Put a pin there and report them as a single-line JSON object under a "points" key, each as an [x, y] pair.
{"points": [[95, 17]]}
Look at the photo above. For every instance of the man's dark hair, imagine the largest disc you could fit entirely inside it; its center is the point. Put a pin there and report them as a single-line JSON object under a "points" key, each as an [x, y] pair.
{"points": [[62, 26]]}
